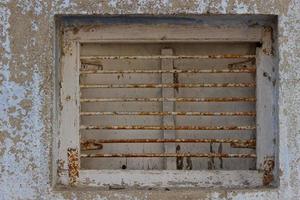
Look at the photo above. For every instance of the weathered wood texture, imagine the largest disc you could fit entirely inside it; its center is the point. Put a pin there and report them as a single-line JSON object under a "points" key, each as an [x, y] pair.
{"points": [[119, 125]]}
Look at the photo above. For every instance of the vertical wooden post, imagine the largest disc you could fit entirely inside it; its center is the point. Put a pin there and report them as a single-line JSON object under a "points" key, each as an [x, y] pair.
{"points": [[69, 115], [266, 80], [168, 120]]}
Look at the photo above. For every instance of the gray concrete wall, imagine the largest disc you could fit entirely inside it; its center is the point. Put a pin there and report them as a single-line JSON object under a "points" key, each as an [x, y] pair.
{"points": [[27, 90]]}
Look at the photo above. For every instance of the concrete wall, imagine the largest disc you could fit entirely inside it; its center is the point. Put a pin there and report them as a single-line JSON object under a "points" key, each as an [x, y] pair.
{"points": [[27, 90]]}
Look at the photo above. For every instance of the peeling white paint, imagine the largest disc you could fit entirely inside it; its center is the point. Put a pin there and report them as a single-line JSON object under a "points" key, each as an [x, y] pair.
{"points": [[113, 3], [223, 6], [16, 174], [5, 43], [34, 26], [15, 159], [28, 5], [202, 6], [241, 7], [65, 4], [38, 8]]}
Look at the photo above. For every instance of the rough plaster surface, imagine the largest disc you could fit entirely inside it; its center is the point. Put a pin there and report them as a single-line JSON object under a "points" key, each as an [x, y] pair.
{"points": [[26, 93]]}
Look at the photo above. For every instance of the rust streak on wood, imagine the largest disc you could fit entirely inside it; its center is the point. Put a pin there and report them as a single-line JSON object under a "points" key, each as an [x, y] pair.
{"points": [[139, 127], [199, 155], [98, 144], [241, 70]]}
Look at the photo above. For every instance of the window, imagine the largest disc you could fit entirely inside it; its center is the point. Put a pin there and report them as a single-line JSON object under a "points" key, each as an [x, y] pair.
{"points": [[166, 106]]}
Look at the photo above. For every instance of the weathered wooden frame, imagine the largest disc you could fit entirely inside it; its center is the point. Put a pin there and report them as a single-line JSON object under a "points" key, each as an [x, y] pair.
{"points": [[67, 158]]}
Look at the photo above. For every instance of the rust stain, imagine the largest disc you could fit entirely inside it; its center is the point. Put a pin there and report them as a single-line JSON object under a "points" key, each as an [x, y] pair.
{"points": [[268, 171], [73, 165], [91, 145], [138, 155], [245, 144]]}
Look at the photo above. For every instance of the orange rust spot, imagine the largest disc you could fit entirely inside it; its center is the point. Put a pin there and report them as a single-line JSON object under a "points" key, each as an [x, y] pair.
{"points": [[244, 144], [268, 172], [73, 165], [90, 145]]}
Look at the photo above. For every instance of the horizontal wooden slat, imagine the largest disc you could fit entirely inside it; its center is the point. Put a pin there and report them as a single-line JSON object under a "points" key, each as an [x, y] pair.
{"points": [[178, 140], [172, 178], [243, 70], [171, 113], [88, 127], [98, 144], [152, 33], [200, 155], [216, 99], [171, 85], [227, 56]]}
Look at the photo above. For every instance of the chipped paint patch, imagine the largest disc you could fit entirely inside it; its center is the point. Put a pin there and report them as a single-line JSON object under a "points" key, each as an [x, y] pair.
{"points": [[241, 7]]}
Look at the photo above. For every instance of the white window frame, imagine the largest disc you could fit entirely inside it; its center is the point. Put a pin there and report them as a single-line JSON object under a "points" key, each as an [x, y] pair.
{"points": [[66, 156]]}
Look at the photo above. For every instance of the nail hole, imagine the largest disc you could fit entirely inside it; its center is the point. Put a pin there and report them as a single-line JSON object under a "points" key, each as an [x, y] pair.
{"points": [[265, 74]]}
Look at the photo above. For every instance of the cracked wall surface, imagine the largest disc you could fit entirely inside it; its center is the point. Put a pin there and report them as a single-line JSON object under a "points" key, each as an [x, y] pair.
{"points": [[27, 34]]}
